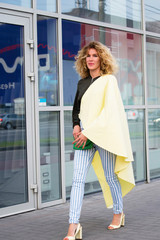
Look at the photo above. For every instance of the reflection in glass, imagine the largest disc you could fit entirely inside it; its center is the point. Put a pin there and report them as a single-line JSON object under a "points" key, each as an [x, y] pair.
{"points": [[92, 184], [136, 128], [154, 142], [24, 3], [13, 156], [50, 156], [47, 62], [153, 70], [120, 12], [126, 47], [49, 5], [152, 15]]}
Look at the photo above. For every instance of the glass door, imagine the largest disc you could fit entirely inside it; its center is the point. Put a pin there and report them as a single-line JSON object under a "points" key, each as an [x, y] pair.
{"points": [[16, 158]]}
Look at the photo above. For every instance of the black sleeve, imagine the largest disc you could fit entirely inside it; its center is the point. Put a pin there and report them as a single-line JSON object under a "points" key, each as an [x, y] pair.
{"points": [[76, 110]]}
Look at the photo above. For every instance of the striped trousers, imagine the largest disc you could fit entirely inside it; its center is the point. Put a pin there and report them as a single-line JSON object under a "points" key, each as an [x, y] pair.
{"points": [[82, 163]]}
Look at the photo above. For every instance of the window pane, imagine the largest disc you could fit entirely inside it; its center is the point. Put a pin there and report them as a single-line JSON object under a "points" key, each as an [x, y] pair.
{"points": [[47, 62], [92, 184], [126, 47], [153, 70], [137, 130], [152, 14], [13, 145], [120, 12], [24, 3], [50, 156], [154, 142], [47, 5]]}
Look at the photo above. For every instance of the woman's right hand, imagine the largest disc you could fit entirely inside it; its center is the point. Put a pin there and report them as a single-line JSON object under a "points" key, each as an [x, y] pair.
{"points": [[76, 130]]}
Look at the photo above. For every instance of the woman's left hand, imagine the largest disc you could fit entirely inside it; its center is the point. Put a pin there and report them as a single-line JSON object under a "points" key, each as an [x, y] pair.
{"points": [[81, 139]]}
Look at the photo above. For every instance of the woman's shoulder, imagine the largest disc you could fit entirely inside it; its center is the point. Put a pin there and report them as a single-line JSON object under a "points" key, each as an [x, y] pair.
{"points": [[109, 76], [84, 80]]}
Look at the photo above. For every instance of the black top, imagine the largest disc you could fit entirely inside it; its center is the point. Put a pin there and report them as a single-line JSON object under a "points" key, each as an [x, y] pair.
{"points": [[82, 86]]}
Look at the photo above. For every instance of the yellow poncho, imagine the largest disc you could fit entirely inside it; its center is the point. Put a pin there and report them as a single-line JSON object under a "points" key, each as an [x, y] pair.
{"points": [[104, 121]]}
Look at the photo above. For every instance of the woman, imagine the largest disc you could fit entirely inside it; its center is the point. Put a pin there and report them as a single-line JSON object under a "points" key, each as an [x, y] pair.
{"points": [[99, 116]]}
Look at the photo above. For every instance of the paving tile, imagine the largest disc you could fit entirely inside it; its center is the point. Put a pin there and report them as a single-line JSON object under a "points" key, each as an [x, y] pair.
{"points": [[141, 206]]}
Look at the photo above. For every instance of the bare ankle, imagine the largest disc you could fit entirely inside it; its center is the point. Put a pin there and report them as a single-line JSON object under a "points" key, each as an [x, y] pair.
{"points": [[72, 228]]}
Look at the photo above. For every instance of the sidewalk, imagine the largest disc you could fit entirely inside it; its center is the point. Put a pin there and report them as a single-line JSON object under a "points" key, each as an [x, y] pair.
{"points": [[141, 206]]}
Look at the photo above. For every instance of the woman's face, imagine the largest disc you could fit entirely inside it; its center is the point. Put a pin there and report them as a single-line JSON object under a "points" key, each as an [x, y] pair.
{"points": [[93, 60]]}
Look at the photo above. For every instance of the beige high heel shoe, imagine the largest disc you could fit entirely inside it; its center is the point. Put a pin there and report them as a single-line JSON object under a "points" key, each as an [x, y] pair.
{"points": [[78, 234], [122, 223]]}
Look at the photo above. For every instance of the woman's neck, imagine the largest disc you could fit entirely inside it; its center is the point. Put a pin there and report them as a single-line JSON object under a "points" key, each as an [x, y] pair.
{"points": [[95, 74]]}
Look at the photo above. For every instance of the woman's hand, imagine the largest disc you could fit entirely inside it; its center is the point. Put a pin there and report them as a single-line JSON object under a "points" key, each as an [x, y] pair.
{"points": [[76, 130], [81, 139]]}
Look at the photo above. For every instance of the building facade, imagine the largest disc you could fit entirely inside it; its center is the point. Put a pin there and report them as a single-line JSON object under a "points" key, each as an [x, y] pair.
{"points": [[38, 44]]}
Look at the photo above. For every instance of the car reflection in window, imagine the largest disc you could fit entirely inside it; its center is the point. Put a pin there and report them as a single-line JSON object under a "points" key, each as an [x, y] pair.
{"points": [[154, 119], [12, 121], [157, 122]]}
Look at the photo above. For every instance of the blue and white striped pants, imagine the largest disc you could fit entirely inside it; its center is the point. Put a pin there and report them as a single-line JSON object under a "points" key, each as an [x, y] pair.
{"points": [[82, 163]]}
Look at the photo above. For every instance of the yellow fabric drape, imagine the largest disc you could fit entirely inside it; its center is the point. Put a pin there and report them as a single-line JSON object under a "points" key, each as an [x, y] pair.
{"points": [[104, 121]]}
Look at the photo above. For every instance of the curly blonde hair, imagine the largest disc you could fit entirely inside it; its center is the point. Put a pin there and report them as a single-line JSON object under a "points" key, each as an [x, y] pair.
{"points": [[108, 63]]}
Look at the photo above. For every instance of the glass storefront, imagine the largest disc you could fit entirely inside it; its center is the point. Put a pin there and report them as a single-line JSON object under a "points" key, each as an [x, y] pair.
{"points": [[118, 12], [23, 3], [136, 125], [154, 142], [152, 16], [38, 45], [47, 62], [153, 70], [47, 5], [50, 156]]}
